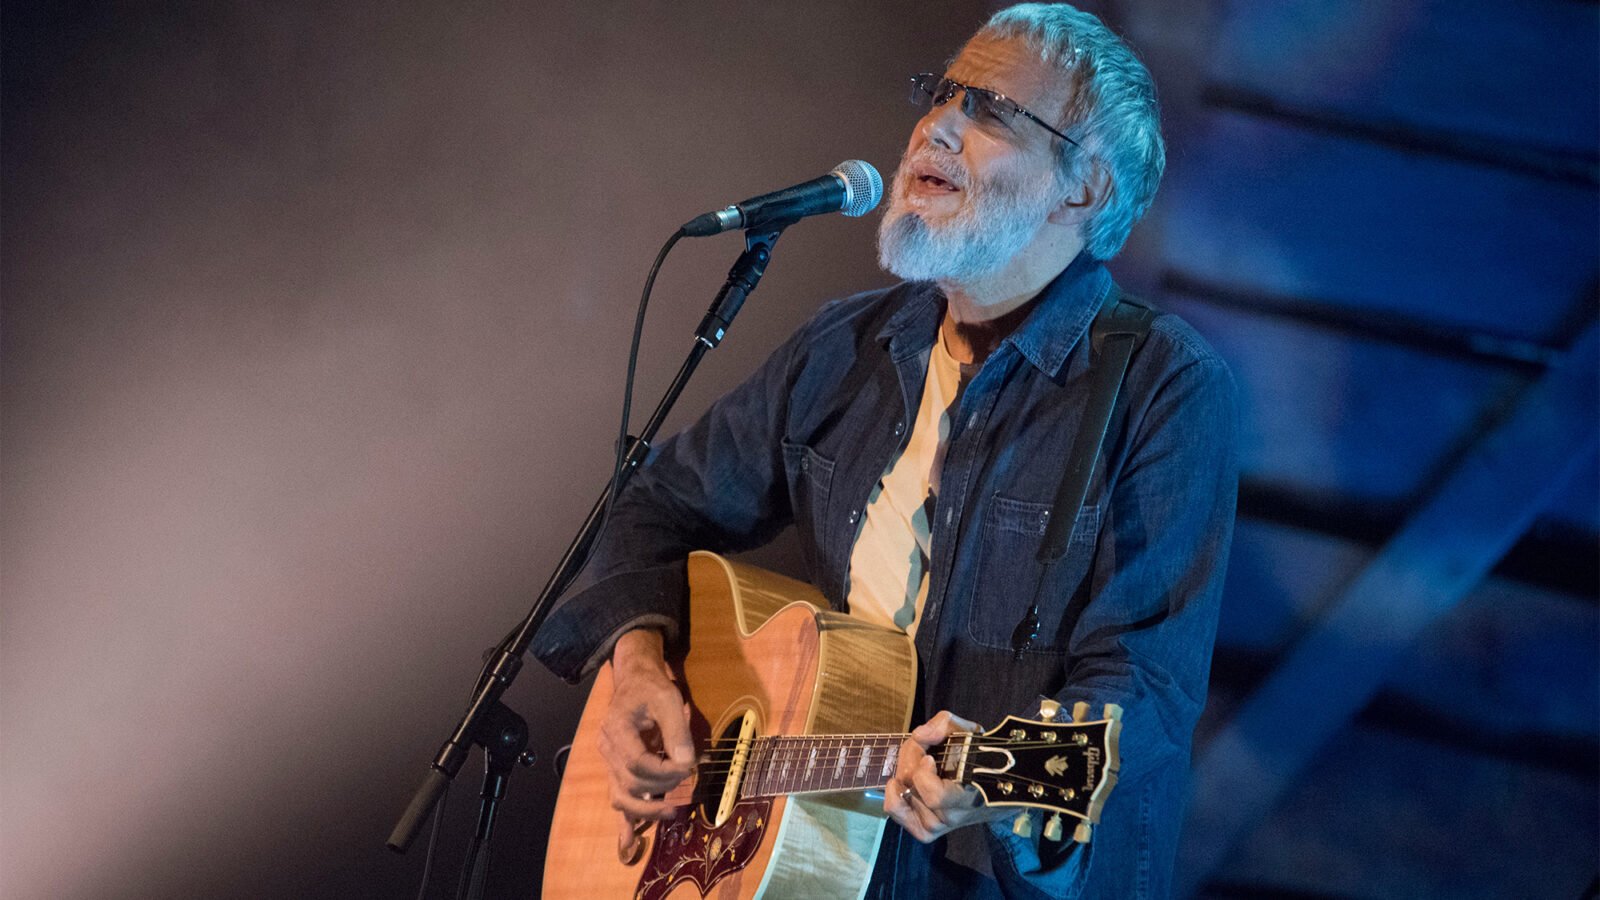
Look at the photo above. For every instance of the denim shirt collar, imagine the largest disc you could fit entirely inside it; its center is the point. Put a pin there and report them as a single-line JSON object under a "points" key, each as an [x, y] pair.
{"points": [[1059, 320]]}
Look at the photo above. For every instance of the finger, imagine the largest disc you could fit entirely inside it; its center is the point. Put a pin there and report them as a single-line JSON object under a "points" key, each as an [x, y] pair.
{"points": [[643, 773], [900, 802], [959, 724], [664, 712], [631, 804], [629, 842], [650, 767], [897, 796], [931, 823], [934, 807], [620, 739], [911, 755], [954, 796], [634, 778], [939, 728], [654, 810], [925, 823], [934, 730], [623, 747], [671, 716], [641, 778]]}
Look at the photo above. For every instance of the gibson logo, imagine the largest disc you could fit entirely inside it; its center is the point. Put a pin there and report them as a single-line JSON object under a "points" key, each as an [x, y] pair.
{"points": [[1091, 759]]}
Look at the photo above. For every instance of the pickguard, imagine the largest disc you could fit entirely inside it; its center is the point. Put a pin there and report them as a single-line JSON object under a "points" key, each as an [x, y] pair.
{"points": [[689, 848]]}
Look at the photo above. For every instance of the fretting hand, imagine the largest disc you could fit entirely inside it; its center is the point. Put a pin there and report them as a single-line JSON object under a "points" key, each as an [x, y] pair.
{"points": [[924, 804]]}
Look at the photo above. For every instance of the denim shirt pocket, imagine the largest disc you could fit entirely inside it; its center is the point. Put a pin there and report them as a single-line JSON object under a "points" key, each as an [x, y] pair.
{"points": [[1008, 573], [810, 477]]}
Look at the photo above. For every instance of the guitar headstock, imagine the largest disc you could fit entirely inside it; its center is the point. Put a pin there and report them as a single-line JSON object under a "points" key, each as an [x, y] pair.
{"points": [[1063, 766]]}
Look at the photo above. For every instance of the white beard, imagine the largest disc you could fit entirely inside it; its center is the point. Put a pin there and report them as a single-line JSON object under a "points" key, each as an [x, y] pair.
{"points": [[998, 219]]}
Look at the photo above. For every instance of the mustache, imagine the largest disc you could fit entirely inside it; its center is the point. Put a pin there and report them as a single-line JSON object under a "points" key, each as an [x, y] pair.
{"points": [[948, 163]]}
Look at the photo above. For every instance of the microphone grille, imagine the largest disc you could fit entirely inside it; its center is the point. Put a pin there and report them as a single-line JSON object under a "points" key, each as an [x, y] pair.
{"points": [[863, 186]]}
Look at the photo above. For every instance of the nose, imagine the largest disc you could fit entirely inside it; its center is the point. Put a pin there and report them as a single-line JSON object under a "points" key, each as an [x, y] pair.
{"points": [[945, 125]]}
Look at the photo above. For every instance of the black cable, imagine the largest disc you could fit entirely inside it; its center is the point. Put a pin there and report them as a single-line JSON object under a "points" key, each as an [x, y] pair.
{"points": [[605, 516], [627, 393], [622, 433]]}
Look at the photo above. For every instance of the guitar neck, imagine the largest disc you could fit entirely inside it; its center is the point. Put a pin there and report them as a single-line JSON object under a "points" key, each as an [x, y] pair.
{"points": [[812, 764]]}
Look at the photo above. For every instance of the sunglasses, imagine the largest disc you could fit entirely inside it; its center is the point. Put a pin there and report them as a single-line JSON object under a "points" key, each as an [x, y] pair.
{"points": [[981, 105]]}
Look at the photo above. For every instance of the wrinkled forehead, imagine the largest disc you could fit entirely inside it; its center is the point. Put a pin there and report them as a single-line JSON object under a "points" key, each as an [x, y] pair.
{"points": [[1012, 67]]}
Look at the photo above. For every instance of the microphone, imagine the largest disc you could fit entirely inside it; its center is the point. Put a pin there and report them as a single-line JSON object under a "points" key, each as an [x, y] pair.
{"points": [[853, 188]]}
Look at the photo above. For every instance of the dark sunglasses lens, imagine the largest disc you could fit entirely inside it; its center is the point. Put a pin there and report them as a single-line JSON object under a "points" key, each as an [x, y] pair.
{"points": [[981, 105]]}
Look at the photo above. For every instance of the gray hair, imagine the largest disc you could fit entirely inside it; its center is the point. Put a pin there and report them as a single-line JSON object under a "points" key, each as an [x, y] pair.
{"points": [[1113, 107]]}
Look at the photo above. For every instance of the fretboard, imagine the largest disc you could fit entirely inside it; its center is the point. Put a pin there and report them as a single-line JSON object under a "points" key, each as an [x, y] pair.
{"points": [[815, 763]]}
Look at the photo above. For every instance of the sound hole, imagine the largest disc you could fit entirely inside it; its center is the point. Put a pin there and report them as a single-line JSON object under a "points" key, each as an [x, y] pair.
{"points": [[712, 780]]}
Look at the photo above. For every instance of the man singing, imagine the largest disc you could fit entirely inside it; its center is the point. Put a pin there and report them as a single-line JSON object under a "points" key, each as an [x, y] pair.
{"points": [[915, 436]]}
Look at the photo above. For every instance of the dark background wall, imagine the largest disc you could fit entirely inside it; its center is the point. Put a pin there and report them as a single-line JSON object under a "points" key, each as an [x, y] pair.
{"points": [[312, 334]]}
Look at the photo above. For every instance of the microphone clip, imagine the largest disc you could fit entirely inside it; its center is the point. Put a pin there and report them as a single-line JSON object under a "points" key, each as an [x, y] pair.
{"points": [[743, 277]]}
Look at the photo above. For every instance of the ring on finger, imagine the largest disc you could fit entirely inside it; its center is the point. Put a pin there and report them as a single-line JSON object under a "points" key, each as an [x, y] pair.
{"points": [[906, 795]]}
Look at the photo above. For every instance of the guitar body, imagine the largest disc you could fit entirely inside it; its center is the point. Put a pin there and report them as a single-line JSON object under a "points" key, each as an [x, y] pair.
{"points": [[766, 651]]}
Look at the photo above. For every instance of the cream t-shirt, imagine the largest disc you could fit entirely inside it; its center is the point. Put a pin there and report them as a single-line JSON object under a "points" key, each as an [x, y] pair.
{"points": [[889, 562]]}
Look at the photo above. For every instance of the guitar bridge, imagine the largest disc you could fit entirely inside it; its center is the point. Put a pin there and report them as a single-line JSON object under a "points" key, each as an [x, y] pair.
{"points": [[741, 756]]}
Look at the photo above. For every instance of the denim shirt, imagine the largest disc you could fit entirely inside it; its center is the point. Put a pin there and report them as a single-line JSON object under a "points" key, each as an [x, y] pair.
{"points": [[1128, 615]]}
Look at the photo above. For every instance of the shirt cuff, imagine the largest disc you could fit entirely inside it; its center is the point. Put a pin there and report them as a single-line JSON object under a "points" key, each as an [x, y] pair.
{"points": [[579, 635]]}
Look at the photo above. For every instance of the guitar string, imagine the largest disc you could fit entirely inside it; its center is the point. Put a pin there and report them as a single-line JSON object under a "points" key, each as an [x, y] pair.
{"points": [[1009, 776], [807, 741], [770, 751], [818, 774], [769, 760], [796, 750], [869, 736], [823, 763]]}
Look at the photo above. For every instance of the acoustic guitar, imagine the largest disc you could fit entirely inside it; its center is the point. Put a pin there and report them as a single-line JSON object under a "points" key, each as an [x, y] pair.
{"points": [[800, 713]]}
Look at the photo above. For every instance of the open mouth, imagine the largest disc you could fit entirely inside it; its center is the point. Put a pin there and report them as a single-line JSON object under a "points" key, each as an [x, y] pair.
{"points": [[931, 179]]}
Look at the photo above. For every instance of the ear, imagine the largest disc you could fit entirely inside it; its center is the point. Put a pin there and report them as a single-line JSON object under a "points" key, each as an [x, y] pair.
{"points": [[1085, 197]]}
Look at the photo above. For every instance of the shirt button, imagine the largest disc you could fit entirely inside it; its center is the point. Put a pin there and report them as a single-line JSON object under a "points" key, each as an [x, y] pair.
{"points": [[805, 463], [855, 514], [899, 428]]}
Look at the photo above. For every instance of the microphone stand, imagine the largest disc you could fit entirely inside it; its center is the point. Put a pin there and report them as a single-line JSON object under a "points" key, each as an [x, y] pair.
{"points": [[490, 724]]}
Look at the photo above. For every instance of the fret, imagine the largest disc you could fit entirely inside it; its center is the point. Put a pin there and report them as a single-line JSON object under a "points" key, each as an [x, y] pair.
{"points": [[774, 785], [755, 770], [791, 764]]}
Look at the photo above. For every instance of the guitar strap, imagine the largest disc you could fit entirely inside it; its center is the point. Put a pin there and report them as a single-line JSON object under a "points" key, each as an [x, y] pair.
{"points": [[1118, 330]]}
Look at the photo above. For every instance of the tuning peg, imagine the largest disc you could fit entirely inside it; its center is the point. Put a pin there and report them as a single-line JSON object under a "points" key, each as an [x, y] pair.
{"points": [[1080, 711], [1113, 712], [1052, 828], [1048, 709], [1083, 832], [1023, 826]]}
